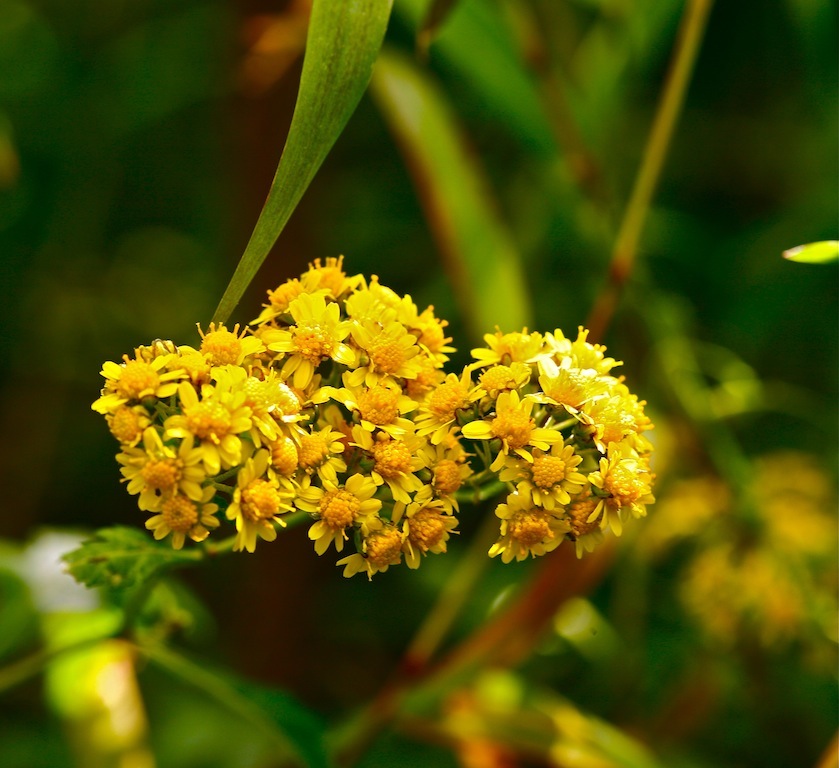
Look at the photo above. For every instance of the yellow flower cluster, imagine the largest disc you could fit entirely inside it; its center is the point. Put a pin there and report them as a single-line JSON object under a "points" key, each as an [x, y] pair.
{"points": [[334, 402], [564, 434]]}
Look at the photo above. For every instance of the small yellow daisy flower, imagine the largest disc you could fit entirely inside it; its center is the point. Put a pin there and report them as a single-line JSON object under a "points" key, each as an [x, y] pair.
{"points": [[182, 517], [551, 477], [449, 467], [514, 426], [381, 406], [127, 424], [568, 386], [426, 528], [389, 350], [317, 335], [379, 550], [319, 452], [134, 381], [527, 529], [583, 354], [585, 525], [257, 503], [223, 347], [329, 277], [502, 378], [338, 508], [626, 481], [216, 419], [506, 348], [156, 471], [439, 411], [395, 461]]}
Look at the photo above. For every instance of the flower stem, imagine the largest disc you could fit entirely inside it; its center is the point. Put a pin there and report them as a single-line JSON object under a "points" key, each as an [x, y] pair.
{"points": [[694, 20]]}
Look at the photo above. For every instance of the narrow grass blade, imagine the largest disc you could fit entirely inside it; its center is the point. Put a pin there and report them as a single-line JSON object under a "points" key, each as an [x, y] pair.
{"points": [[343, 42]]}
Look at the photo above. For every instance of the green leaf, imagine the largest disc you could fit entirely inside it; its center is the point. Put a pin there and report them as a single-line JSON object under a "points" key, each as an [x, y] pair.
{"points": [[822, 252], [296, 733], [120, 557], [482, 259], [343, 42]]}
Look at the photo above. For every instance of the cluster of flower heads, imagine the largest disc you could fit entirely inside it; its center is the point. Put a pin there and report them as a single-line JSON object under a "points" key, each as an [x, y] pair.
{"points": [[334, 403]]}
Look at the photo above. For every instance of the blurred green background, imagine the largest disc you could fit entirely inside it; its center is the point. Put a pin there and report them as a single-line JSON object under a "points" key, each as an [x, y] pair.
{"points": [[138, 139]]}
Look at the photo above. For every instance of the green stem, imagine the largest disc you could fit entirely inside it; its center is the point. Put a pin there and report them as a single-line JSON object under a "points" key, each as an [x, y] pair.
{"points": [[20, 671], [694, 20], [224, 694]]}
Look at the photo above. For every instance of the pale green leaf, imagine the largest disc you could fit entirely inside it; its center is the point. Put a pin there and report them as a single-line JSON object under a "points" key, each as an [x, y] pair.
{"points": [[121, 557], [482, 259], [343, 42], [822, 252]]}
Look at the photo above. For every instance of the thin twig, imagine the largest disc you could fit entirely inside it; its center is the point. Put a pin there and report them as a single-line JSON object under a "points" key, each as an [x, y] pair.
{"points": [[694, 20]]}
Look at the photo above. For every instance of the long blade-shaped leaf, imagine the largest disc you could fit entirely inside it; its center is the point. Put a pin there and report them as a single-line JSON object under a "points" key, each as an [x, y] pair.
{"points": [[343, 41], [482, 258]]}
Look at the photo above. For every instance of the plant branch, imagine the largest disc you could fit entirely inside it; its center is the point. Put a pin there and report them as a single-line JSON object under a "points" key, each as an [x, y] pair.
{"points": [[694, 20]]}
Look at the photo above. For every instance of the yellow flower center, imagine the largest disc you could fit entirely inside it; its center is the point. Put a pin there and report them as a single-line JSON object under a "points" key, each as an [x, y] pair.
{"points": [[432, 336], [285, 399], [330, 277], [530, 528], [392, 458], [426, 529], [387, 355], [578, 515], [137, 379], [312, 341], [338, 509], [427, 377], [126, 424], [547, 471], [179, 513], [513, 427], [209, 420], [222, 347], [379, 404], [384, 548], [260, 501], [497, 378], [284, 456], [162, 474], [313, 450], [625, 483], [284, 295], [446, 399], [569, 388], [447, 476], [196, 367]]}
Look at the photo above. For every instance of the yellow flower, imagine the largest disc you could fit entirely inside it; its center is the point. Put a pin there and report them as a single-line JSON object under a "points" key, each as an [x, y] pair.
{"points": [[135, 380], [389, 349], [449, 467], [395, 461], [569, 386], [379, 550], [184, 517], [501, 378], [375, 303], [320, 452], [318, 334], [506, 348], [527, 529], [195, 366], [583, 354], [551, 478], [428, 377], [279, 300], [329, 277], [127, 423], [378, 407], [216, 420], [338, 508], [257, 503], [156, 471], [585, 525], [223, 347], [616, 417], [425, 529], [440, 408], [626, 483], [513, 425]]}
